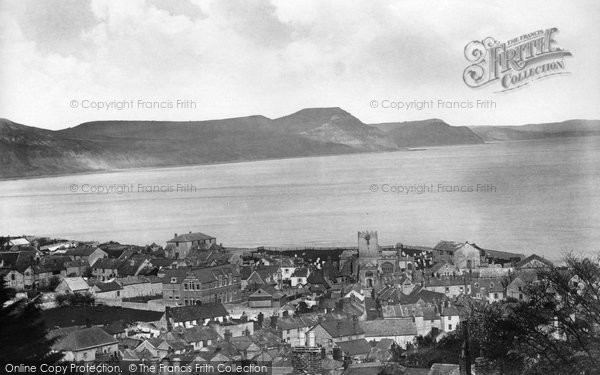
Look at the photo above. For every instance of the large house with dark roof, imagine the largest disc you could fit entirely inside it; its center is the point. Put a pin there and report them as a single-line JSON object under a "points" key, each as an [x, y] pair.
{"points": [[189, 286], [180, 245]]}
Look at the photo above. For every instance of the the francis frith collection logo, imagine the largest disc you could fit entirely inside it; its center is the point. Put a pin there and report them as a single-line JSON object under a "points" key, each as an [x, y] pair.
{"points": [[514, 63]]}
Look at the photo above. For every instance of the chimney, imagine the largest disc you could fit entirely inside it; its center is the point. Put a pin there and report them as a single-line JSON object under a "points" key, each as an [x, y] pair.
{"points": [[175, 235], [190, 232], [302, 338], [311, 339], [168, 318]]}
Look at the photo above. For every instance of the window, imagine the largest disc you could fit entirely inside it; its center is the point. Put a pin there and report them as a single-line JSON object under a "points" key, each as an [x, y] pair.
{"points": [[118, 293], [495, 295], [387, 267], [447, 290], [449, 327], [185, 286]]}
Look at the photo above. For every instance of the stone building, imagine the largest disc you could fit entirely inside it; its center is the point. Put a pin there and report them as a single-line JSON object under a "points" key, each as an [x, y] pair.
{"points": [[375, 263], [189, 286], [180, 245]]}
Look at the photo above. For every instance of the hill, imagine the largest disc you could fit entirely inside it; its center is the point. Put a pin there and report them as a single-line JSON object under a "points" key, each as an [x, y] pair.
{"points": [[569, 128], [432, 132], [108, 145]]}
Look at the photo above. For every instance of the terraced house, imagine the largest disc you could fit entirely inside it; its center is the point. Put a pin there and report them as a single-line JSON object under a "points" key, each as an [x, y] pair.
{"points": [[190, 286]]}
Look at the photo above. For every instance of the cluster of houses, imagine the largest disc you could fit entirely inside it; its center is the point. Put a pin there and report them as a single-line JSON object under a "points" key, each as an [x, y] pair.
{"points": [[355, 305]]}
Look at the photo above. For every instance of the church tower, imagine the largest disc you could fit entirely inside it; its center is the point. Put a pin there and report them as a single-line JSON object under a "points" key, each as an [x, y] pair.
{"points": [[368, 254], [368, 244]]}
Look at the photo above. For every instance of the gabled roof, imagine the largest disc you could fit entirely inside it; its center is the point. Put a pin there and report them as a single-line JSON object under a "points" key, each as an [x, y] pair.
{"points": [[131, 266], [189, 237], [197, 312], [76, 283], [18, 242], [487, 285], [300, 272], [355, 347], [82, 338], [341, 328], [533, 258], [439, 265]]}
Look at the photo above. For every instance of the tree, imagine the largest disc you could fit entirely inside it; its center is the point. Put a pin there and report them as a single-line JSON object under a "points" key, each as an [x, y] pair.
{"points": [[555, 330], [23, 334], [53, 283]]}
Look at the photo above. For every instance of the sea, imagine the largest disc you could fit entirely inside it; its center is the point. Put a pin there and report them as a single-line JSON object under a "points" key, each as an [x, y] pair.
{"points": [[540, 196]]}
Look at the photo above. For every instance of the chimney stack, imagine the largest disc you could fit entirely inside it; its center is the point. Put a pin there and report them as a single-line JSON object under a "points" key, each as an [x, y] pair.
{"points": [[175, 235], [168, 318], [227, 335]]}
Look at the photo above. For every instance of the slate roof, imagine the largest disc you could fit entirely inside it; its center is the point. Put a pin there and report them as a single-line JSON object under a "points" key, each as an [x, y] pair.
{"points": [[203, 311], [389, 327], [106, 264], [486, 285], [189, 237], [532, 258], [448, 246], [355, 347], [341, 328], [300, 272], [438, 266], [197, 334], [82, 251], [498, 254], [384, 344], [130, 267], [108, 287], [295, 323], [76, 263], [82, 338], [159, 262]]}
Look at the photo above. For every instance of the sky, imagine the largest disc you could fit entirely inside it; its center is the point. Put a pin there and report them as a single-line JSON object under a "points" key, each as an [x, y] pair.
{"points": [[62, 59]]}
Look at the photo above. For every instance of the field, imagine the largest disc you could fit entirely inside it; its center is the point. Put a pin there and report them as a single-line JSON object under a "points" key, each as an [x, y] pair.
{"points": [[95, 315]]}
